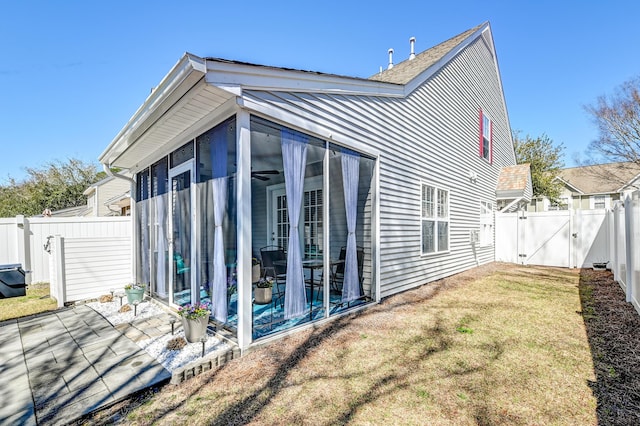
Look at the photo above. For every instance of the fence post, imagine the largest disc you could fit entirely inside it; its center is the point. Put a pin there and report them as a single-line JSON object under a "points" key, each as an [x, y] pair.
{"points": [[61, 288], [22, 242], [628, 232]]}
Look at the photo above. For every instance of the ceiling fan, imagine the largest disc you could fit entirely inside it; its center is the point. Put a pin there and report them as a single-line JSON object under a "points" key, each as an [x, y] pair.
{"points": [[258, 174]]}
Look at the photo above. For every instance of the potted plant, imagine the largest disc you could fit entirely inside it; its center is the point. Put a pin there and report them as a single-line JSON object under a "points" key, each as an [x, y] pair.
{"points": [[264, 291], [255, 270], [134, 292], [194, 320]]}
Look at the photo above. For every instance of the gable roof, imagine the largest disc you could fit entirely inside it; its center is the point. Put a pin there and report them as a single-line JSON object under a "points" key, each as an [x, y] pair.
{"points": [[600, 178], [197, 86], [409, 69], [514, 181]]}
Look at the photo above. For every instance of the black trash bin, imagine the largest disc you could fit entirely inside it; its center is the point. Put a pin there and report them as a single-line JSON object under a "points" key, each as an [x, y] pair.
{"points": [[12, 281]]}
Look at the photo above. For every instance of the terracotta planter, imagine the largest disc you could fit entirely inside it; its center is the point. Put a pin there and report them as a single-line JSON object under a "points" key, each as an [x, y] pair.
{"points": [[263, 296], [194, 329], [134, 294]]}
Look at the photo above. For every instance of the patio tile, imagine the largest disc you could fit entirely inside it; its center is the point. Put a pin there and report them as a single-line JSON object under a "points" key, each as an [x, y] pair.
{"points": [[79, 379], [35, 360], [59, 411], [43, 394]]}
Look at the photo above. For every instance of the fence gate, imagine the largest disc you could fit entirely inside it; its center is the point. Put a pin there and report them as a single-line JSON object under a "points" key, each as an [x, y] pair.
{"points": [[556, 238]]}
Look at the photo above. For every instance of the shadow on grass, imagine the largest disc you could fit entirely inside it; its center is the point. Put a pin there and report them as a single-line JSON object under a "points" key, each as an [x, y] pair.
{"points": [[245, 410], [613, 331]]}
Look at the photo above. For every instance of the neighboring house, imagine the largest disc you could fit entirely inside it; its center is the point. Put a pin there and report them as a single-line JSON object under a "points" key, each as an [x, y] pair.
{"points": [[514, 188], [592, 187], [381, 184], [108, 197]]}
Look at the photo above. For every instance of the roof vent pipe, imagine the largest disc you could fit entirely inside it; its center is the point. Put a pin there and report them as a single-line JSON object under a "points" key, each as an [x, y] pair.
{"points": [[412, 41], [390, 59]]}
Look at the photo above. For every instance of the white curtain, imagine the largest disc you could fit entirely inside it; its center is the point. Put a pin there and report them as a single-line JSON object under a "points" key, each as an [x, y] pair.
{"points": [[294, 158], [350, 177], [161, 245], [218, 153]]}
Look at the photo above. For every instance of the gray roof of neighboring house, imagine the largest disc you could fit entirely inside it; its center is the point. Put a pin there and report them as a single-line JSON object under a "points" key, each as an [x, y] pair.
{"points": [[407, 70], [514, 181], [600, 178]]}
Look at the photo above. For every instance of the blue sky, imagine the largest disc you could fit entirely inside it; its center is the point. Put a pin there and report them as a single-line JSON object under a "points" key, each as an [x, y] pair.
{"points": [[73, 72]]}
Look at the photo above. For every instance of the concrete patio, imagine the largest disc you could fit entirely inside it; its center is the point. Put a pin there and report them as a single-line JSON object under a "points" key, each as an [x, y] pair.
{"points": [[58, 366]]}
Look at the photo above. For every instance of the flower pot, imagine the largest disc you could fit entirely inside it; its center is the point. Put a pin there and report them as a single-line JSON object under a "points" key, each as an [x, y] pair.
{"points": [[194, 329], [255, 273], [134, 294], [263, 295]]}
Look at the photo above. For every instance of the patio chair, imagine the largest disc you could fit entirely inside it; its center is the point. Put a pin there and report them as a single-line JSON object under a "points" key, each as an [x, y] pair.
{"points": [[274, 264], [337, 279]]}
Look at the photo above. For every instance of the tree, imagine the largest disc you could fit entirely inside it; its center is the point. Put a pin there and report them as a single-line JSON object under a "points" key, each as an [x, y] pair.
{"points": [[57, 185], [617, 118], [545, 159]]}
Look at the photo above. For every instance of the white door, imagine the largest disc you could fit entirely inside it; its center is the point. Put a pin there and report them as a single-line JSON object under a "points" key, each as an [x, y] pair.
{"points": [[310, 223], [182, 242]]}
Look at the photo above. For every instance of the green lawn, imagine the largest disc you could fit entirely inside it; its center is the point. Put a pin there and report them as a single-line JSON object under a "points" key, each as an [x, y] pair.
{"points": [[498, 345], [36, 300]]}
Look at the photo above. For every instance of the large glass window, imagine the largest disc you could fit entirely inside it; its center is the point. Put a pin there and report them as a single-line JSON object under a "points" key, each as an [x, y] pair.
{"points": [[435, 219], [142, 227], [216, 204], [158, 214], [289, 165], [350, 215]]}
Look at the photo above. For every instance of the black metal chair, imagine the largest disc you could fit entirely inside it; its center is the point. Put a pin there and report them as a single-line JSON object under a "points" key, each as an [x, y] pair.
{"points": [[337, 278], [274, 264]]}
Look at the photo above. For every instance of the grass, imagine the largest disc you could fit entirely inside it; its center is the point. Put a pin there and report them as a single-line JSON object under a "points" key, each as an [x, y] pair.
{"points": [[500, 345], [35, 301]]}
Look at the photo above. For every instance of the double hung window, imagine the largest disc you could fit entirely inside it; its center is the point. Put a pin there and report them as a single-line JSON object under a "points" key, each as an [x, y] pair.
{"points": [[486, 223], [486, 136], [435, 219]]}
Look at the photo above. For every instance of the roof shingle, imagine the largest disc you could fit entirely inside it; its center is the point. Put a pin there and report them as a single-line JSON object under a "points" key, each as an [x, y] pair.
{"points": [[407, 70]]}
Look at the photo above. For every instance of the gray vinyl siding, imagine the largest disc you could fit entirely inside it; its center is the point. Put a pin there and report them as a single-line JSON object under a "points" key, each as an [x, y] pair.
{"points": [[431, 136]]}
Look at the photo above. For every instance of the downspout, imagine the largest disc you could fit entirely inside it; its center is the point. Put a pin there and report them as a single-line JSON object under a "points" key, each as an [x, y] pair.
{"points": [[111, 173]]}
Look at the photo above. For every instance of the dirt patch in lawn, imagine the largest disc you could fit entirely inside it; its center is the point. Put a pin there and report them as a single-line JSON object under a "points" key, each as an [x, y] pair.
{"points": [[500, 344], [613, 329]]}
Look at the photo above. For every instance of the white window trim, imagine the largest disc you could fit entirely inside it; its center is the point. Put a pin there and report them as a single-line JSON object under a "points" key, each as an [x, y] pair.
{"points": [[489, 157], [435, 218], [310, 184], [607, 202], [486, 219]]}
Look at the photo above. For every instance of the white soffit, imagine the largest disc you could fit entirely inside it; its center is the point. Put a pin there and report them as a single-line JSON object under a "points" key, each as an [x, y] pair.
{"points": [[166, 129]]}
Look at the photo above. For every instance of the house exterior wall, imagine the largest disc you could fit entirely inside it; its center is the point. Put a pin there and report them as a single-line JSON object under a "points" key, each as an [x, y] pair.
{"points": [[108, 191], [431, 136]]}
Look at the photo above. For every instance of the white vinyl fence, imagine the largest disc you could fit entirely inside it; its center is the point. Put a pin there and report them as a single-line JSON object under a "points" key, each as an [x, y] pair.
{"points": [[625, 240], [577, 239], [80, 257], [564, 238]]}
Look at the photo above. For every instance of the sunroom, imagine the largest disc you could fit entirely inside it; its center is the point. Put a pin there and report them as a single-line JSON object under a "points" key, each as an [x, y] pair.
{"points": [[229, 200]]}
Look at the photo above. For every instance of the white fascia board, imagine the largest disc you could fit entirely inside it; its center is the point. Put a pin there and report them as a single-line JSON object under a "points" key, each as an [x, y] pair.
{"points": [[633, 183], [186, 66], [256, 77]]}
